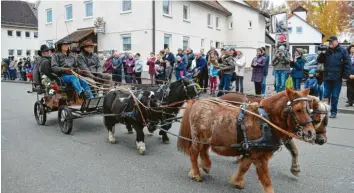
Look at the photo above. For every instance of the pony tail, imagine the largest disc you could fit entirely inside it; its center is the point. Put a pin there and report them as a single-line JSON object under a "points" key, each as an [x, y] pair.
{"points": [[185, 130]]}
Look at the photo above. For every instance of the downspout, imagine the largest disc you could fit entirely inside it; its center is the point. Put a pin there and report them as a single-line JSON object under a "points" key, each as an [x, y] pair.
{"points": [[153, 26]]}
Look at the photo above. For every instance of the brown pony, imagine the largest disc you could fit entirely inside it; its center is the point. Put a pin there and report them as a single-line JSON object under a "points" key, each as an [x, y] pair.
{"points": [[215, 123], [319, 116]]}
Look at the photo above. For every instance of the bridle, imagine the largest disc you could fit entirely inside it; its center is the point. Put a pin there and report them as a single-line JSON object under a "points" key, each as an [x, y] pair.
{"points": [[299, 127]]}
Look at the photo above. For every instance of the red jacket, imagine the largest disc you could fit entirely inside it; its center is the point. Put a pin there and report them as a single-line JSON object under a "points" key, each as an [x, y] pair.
{"points": [[108, 67], [151, 64]]}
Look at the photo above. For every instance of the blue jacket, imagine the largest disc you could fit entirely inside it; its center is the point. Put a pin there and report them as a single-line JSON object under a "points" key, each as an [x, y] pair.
{"points": [[184, 58], [180, 66], [298, 68], [201, 64], [266, 66], [352, 64], [213, 72], [311, 83], [337, 64], [170, 57]]}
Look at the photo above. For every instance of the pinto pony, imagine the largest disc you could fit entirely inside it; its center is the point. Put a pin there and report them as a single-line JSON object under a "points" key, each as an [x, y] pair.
{"points": [[319, 119], [211, 124]]}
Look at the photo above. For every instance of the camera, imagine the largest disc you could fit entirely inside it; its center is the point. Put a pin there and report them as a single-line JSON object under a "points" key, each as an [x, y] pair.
{"points": [[322, 47]]}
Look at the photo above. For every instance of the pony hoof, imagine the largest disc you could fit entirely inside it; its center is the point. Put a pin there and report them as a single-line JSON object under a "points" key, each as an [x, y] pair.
{"points": [[206, 170], [112, 140], [166, 141], [142, 152], [239, 187], [295, 172], [194, 177]]}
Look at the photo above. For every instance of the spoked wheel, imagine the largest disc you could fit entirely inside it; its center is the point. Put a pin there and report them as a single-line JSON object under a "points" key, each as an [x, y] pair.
{"points": [[65, 119], [40, 113]]}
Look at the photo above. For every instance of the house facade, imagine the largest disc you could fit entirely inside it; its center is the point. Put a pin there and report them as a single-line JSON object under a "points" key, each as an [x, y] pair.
{"points": [[19, 32], [146, 26], [302, 34]]}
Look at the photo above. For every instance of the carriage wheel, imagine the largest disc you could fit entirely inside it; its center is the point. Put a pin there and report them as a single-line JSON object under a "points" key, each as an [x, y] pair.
{"points": [[65, 119], [40, 113]]}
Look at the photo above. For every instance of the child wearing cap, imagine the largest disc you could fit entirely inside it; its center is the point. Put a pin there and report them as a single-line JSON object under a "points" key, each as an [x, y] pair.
{"points": [[179, 67], [311, 83]]}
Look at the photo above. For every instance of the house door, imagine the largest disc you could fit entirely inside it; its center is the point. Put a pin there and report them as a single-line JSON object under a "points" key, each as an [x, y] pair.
{"points": [[307, 48]]}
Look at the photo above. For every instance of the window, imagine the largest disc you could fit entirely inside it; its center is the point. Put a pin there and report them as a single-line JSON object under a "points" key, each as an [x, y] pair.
{"points": [[49, 15], [209, 20], [299, 30], [217, 45], [166, 7], [126, 6], [217, 23], [185, 42], [68, 12], [290, 30], [167, 41], [126, 42], [28, 34], [11, 52], [18, 34], [186, 12], [202, 43], [10, 33], [50, 43], [35, 34], [19, 52], [88, 9], [231, 25], [250, 24], [28, 52]]}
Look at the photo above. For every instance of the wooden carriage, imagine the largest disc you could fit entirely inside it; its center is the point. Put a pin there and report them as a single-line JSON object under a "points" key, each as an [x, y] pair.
{"points": [[66, 101]]}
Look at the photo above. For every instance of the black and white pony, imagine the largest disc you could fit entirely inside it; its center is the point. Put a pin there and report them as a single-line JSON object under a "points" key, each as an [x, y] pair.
{"points": [[118, 102]]}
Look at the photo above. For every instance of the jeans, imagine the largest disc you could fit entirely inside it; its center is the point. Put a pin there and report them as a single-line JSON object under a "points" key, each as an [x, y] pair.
{"points": [[297, 83], [129, 77], [264, 85], [178, 75], [138, 77], [23, 76], [78, 84], [117, 76], [224, 84], [239, 84], [320, 91], [6, 75], [350, 91], [213, 83], [13, 74], [332, 90], [280, 79]]}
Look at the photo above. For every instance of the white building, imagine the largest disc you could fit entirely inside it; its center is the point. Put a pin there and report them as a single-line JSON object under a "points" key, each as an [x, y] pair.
{"points": [[19, 29], [145, 26], [302, 34]]}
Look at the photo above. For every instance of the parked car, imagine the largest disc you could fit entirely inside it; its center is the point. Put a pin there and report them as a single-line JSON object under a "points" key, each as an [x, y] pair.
{"points": [[311, 63]]}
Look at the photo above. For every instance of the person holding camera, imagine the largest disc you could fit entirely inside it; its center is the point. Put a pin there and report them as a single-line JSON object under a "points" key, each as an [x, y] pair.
{"points": [[281, 64], [337, 68]]}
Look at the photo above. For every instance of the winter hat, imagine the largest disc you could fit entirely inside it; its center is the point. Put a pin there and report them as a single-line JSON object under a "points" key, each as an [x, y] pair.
{"points": [[300, 50], [281, 48], [178, 58], [312, 71]]}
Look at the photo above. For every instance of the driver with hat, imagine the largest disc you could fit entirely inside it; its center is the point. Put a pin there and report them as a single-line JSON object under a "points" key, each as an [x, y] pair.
{"points": [[42, 65], [63, 63]]}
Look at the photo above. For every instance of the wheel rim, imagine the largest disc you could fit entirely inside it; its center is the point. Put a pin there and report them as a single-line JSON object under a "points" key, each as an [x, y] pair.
{"points": [[39, 113], [63, 120]]}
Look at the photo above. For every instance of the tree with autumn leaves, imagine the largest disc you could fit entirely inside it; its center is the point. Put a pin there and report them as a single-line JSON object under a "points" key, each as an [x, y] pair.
{"points": [[330, 17]]}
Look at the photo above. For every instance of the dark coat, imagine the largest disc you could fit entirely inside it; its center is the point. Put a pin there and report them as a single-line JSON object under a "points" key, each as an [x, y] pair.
{"points": [[108, 67], [201, 64], [298, 68], [266, 64], [170, 57], [258, 71], [336, 64]]}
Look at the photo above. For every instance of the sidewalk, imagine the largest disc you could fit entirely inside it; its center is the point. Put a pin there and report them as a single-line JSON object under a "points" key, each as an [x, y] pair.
{"points": [[249, 89]]}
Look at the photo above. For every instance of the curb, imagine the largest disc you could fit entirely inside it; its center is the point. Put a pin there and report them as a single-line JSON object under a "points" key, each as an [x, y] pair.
{"points": [[16, 81], [346, 111]]}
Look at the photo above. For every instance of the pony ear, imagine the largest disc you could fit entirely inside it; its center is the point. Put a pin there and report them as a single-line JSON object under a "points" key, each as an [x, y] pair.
{"points": [[306, 92], [290, 93]]}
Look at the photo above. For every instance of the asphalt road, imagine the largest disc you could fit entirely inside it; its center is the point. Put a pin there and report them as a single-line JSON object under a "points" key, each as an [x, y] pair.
{"points": [[41, 159]]}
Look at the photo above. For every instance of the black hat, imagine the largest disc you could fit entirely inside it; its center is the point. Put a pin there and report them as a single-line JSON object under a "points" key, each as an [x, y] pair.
{"points": [[44, 48], [75, 49], [332, 38]]}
